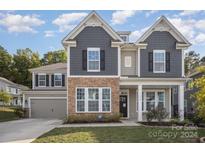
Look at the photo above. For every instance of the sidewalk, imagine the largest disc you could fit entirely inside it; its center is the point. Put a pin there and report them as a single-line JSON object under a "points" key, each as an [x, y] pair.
{"points": [[123, 123]]}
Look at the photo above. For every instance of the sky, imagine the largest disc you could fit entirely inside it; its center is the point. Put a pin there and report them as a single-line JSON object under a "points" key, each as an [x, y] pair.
{"points": [[42, 31]]}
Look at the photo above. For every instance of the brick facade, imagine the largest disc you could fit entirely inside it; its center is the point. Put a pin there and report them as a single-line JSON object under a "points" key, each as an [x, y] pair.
{"points": [[75, 82]]}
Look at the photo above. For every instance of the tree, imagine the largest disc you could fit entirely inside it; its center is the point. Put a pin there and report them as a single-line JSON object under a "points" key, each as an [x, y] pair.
{"points": [[192, 60], [199, 84], [202, 60], [5, 63], [24, 60], [54, 57], [5, 97]]}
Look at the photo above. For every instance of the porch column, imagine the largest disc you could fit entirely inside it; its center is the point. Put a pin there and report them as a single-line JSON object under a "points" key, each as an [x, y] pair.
{"points": [[139, 102], [181, 102], [170, 103]]}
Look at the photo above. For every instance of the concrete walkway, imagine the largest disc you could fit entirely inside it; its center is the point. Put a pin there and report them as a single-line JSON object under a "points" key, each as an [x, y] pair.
{"points": [[123, 123], [26, 130]]}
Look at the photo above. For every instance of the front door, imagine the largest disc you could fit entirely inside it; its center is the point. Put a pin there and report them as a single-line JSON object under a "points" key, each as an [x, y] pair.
{"points": [[123, 105]]}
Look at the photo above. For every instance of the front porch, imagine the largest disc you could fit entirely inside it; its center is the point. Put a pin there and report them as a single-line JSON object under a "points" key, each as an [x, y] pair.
{"points": [[137, 96]]}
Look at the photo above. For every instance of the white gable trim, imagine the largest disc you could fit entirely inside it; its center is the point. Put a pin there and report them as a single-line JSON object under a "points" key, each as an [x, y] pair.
{"points": [[88, 21], [176, 34]]}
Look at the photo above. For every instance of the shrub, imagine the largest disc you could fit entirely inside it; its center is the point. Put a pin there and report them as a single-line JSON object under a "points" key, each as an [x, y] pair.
{"points": [[150, 116], [19, 112], [157, 113], [161, 113], [92, 118]]}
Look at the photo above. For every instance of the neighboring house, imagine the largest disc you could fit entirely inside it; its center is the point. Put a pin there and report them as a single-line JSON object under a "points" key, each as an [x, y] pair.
{"points": [[15, 90], [189, 100], [48, 97], [106, 74]]}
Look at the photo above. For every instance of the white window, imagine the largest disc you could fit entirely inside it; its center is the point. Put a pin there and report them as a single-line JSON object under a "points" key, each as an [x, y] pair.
{"points": [[128, 61], [93, 99], [57, 79], [159, 61], [42, 80], [106, 99], [80, 99], [153, 99], [93, 59]]}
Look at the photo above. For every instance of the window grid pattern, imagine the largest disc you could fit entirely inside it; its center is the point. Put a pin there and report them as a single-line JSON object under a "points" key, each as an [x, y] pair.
{"points": [[93, 100], [159, 61], [93, 57]]}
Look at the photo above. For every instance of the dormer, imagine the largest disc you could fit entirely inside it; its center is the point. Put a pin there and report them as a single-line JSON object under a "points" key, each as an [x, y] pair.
{"points": [[124, 35]]}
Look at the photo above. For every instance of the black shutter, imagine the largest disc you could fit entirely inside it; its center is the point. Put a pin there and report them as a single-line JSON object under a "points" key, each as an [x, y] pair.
{"points": [[102, 60], [63, 80], [150, 65], [167, 61], [84, 59], [52, 80], [47, 80], [36, 79]]}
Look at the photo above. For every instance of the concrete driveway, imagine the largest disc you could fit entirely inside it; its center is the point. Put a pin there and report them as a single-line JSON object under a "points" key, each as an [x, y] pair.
{"points": [[26, 130]]}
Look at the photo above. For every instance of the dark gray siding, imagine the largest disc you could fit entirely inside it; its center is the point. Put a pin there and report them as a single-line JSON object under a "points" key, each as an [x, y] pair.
{"points": [[162, 41], [94, 37]]}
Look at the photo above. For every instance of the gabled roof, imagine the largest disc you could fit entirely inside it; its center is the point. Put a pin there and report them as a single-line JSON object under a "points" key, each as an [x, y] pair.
{"points": [[12, 84], [50, 67], [92, 19], [169, 27]]}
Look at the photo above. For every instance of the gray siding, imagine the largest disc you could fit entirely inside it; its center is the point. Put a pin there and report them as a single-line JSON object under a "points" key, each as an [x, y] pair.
{"points": [[93, 37], [162, 41], [128, 70]]}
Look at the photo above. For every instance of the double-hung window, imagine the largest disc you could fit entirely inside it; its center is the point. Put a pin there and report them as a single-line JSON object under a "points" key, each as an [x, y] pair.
{"points": [[93, 99], [159, 61], [153, 99], [80, 99], [41, 80], [93, 59], [57, 79], [106, 95]]}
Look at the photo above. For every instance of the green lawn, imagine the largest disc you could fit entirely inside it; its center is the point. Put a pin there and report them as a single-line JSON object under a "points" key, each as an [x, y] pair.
{"points": [[7, 114], [118, 135]]}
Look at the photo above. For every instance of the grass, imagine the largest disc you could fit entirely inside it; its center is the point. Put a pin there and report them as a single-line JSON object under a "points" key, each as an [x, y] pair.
{"points": [[7, 114], [119, 135]]}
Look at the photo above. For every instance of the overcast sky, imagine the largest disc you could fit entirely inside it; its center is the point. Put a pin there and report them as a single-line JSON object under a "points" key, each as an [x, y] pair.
{"points": [[43, 31]]}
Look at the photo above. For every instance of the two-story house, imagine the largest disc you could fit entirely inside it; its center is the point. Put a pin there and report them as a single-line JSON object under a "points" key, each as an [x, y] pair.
{"points": [[48, 96], [15, 90], [107, 74]]}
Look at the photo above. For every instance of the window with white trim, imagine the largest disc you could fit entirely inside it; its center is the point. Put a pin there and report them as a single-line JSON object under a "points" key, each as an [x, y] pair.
{"points": [[80, 99], [128, 61], [153, 99], [93, 59], [93, 99], [106, 99], [159, 61], [57, 79], [41, 80]]}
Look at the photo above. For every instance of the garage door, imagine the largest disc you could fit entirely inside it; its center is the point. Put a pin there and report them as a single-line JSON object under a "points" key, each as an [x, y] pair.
{"points": [[48, 108]]}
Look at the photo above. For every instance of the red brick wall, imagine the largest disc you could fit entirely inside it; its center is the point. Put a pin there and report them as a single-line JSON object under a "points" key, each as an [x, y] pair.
{"points": [[113, 83]]}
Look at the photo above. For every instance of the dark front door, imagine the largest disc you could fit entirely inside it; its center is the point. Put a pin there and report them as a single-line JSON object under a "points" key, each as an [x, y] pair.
{"points": [[123, 105]]}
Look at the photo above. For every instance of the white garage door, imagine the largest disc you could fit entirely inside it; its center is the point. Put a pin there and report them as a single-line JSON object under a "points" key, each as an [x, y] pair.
{"points": [[48, 108]]}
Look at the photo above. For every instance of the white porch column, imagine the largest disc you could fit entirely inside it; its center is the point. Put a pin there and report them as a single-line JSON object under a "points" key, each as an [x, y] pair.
{"points": [[181, 102], [170, 103], [139, 102]]}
